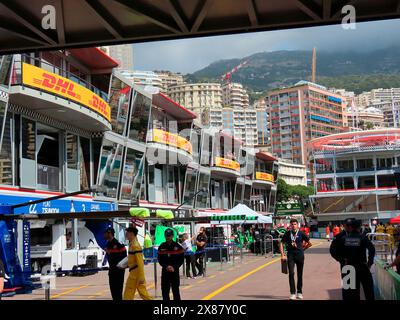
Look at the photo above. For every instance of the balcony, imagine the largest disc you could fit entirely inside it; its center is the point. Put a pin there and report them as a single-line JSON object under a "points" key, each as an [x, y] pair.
{"points": [[66, 97], [263, 178], [159, 139], [226, 167]]}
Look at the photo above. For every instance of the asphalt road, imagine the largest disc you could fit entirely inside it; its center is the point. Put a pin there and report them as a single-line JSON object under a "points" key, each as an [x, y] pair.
{"points": [[252, 277]]}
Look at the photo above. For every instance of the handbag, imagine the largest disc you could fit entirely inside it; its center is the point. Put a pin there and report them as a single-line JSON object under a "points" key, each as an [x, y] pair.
{"points": [[284, 266]]}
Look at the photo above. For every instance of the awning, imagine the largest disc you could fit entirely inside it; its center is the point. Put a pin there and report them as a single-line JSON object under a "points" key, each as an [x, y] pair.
{"points": [[173, 108], [241, 214], [94, 58]]}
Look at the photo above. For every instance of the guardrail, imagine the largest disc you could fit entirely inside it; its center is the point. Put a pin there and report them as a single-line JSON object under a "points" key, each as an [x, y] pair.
{"points": [[387, 282]]}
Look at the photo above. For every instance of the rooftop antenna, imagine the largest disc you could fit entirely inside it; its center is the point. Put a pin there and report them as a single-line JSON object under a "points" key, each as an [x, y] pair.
{"points": [[314, 65]]}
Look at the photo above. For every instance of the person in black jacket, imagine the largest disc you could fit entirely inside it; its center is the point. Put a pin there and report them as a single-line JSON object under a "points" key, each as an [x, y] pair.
{"points": [[170, 257], [115, 253], [349, 249]]}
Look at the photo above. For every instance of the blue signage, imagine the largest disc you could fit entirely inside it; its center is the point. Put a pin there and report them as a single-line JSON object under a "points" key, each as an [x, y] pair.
{"points": [[321, 119], [56, 206], [337, 100]]}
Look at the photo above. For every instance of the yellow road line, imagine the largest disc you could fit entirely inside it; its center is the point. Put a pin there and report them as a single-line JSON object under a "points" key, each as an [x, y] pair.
{"points": [[213, 276], [201, 281], [69, 291], [230, 284]]}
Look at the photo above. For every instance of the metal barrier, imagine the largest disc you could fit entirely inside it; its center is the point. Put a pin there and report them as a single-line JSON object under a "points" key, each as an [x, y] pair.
{"points": [[383, 245], [387, 282]]}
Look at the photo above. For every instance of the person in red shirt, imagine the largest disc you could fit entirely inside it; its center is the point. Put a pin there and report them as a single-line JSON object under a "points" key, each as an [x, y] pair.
{"points": [[307, 230], [328, 233], [335, 231]]}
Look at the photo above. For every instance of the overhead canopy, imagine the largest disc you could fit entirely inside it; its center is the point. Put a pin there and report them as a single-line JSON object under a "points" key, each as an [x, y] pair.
{"points": [[395, 220], [173, 108], [105, 22], [94, 59], [241, 214]]}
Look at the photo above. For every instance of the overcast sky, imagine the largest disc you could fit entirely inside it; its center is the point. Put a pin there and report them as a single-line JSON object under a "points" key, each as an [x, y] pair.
{"points": [[189, 55]]}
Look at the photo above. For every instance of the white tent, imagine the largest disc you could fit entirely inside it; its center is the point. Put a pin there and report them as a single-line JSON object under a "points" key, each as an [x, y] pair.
{"points": [[241, 214]]}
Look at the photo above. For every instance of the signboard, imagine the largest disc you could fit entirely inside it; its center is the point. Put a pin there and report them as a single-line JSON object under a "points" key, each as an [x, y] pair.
{"points": [[288, 208], [172, 139], [227, 163], [47, 81], [264, 176], [26, 243], [56, 206]]}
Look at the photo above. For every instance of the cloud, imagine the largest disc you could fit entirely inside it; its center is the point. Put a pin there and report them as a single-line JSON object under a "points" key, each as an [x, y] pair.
{"points": [[189, 55]]}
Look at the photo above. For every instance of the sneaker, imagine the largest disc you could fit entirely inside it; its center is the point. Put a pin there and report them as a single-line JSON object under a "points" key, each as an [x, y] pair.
{"points": [[292, 297], [300, 296]]}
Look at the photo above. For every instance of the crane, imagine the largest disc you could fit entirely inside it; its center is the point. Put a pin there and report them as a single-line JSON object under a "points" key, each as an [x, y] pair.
{"points": [[227, 76]]}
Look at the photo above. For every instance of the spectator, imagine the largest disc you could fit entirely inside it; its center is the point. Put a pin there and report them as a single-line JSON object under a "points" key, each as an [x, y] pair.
{"points": [[201, 243], [335, 231], [189, 256]]}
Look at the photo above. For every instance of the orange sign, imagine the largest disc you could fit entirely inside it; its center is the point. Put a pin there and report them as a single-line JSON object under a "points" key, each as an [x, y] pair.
{"points": [[172, 139], [39, 78], [227, 163], [264, 176]]}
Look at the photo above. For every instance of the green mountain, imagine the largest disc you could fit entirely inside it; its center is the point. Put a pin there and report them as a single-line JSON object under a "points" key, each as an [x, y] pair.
{"points": [[353, 71]]}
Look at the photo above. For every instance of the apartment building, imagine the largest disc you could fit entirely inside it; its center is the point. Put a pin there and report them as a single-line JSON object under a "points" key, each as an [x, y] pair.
{"points": [[293, 174], [390, 110], [204, 99], [123, 54], [300, 113], [143, 78], [234, 95], [169, 79]]}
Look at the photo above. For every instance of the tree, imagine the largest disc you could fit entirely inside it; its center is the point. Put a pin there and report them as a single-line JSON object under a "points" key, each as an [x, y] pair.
{"points": [[283, 193]]}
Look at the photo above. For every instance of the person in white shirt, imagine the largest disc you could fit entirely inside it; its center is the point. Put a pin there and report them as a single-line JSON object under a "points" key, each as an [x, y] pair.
{"points": [[189, 256]]}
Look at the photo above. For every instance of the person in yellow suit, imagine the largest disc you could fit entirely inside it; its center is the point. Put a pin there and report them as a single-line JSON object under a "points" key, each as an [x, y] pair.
{"points": [[136, 279], [390, 231]]}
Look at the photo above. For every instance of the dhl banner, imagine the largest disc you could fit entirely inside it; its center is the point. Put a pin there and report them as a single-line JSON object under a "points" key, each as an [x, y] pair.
{"points": [[171, 139], [264, 176], [227, 163], [39, 78]]}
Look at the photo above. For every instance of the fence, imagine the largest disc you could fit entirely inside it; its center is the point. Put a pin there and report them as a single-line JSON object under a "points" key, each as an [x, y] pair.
{"points": [[387, 282]]}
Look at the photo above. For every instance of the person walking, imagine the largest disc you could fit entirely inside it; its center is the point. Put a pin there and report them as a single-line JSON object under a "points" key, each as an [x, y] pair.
{"points": [[136, 279], [296, 242], [201, 243], [115, 252], [349, 249], [189, 256], [328, 233], [170, 257]]}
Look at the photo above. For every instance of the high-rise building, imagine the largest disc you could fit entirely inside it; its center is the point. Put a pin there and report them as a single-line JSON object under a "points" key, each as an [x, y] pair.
{"points": [[263, 135], [365, 99], [204, 99], [390, 110], [169, 79], [143, 78], [234, 95], [300, 113], [123, 54]]}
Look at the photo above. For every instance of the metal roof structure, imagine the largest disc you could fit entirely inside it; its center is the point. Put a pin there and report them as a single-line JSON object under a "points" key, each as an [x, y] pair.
{"points": [[24, 24]]}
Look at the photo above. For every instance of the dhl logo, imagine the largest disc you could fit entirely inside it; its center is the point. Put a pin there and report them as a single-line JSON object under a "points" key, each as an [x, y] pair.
{"points": [[61, 85]]}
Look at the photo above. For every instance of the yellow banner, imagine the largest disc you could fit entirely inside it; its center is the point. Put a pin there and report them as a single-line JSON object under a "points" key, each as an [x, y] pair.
{"points": [[264, 176], [39, 78], [172, 139], [227, 163]]}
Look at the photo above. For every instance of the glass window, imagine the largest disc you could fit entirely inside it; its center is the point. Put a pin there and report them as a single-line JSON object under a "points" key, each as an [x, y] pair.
{"points": [[385, 163], [132, 175], [72, 151], [247, 194], [28, 138], [5, 69], [386, 180], [345, 183], [325, 184], [239, 193], [84, 163], [190, 186], [365, 164], [6, 163], [140, 117], [202, 199], [324, 165], [366, 182], [344, 166], [109, 169], [119, 103]]}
